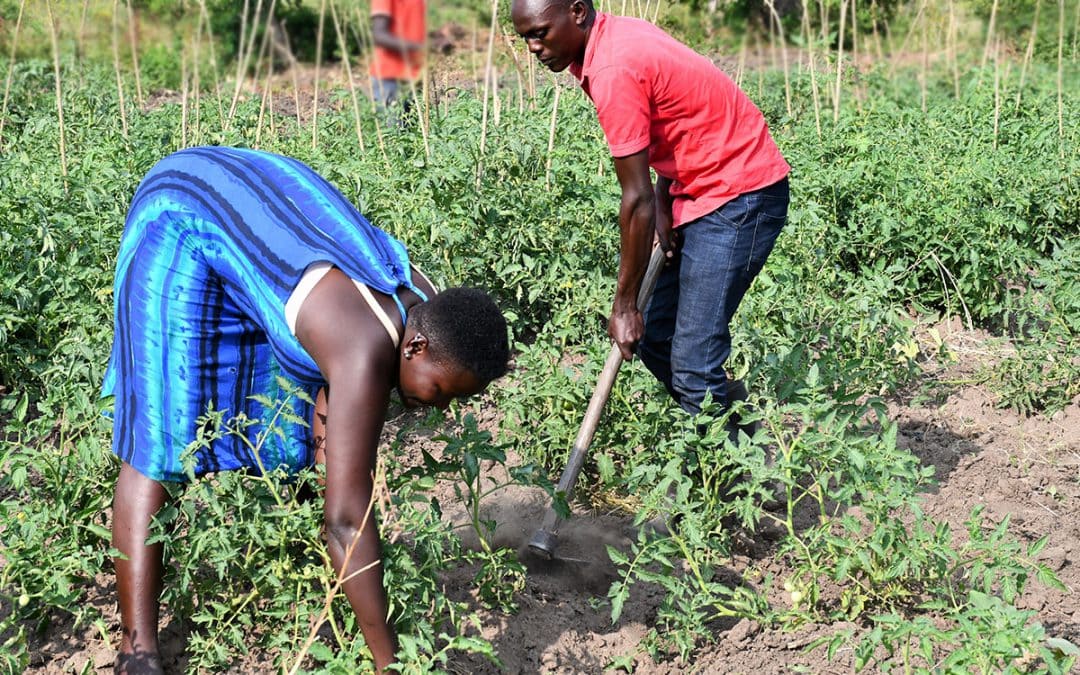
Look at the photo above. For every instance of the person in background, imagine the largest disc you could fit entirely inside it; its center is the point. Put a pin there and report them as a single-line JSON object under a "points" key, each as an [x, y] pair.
{"points": [[237, 267], [721, 194], [398, 29]]}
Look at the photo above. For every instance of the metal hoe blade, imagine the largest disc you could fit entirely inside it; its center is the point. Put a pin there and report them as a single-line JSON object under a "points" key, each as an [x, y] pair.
{"points": [[546, 539]]}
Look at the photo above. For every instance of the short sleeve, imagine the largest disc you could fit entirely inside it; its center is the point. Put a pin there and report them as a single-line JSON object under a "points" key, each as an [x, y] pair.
{"points": [[381, 7], [622, 105]]}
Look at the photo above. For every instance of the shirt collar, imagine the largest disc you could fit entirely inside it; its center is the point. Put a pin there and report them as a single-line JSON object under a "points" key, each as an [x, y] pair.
{"points": [[581, 72]]}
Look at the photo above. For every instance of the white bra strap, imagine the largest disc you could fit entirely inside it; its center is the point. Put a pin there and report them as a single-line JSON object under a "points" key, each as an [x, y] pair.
{"points": [[379, 312]]}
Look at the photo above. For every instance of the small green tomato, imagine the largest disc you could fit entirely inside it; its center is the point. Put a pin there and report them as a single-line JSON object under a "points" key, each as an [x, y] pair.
{"points": [[796, 597], [789, 586], [24, 600]]}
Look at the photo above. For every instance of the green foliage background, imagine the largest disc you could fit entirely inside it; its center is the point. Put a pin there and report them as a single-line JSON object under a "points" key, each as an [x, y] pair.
{"points": [[968, 209]]}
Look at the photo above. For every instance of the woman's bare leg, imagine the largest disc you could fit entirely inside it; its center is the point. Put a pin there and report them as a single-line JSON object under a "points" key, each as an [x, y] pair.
{"points": [[138, 578]]}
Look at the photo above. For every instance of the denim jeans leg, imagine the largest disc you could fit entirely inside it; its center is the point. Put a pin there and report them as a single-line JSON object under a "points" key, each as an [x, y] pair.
{"points": [[721, 254], [654, 350]]}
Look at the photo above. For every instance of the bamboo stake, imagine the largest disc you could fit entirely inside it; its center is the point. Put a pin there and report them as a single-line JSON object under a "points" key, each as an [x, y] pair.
{"points": [[877, 37], [348, 73], [240, 65], [196, 85], [551, 134], [59, 89], [318, 65], [10, 70], [907, 36], [1028, 53], [183, 99], [783, 54], [204, 17], [1061, 75], [365, 30], [265, 53], [925, 63], [839, 62], [950, 41], [116, 68], [134, 53], [80, 40], [813, 70], [487, 82], [740, 69], [989, 35], [997, 91]]}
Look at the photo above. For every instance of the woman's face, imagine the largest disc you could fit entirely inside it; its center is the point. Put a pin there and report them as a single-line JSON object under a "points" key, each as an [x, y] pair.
{"points": [[423, 380]]}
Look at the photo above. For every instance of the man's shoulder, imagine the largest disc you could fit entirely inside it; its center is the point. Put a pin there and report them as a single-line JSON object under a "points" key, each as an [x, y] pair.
{"points": [[631, 43]]}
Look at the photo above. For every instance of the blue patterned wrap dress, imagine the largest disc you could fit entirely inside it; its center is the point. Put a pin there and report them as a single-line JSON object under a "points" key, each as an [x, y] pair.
{"points": [[215, 241]]}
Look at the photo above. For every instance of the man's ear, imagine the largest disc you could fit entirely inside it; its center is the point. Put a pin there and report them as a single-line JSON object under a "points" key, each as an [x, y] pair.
{"points": [[417, 345], [580, 11]]}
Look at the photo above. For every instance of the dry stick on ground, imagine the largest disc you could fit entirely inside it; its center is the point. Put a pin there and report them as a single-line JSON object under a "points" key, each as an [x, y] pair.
{"points": [[343, 42], [116, 68], [839, 62], [59, 89], [134, 41], [551, 134], [318, 66], [1028, 53], [10, 70], [813, 68], [487, 82]]}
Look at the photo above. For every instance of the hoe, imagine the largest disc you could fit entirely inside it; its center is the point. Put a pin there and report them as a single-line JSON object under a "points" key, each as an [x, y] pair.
{"points": [[546, 539]]}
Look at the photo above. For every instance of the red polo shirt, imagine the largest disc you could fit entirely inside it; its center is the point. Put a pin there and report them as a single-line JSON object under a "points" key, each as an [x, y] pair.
{"points": [[408, 21], [651, 91]]}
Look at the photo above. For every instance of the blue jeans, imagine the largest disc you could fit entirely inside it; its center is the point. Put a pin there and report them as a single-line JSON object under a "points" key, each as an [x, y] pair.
{"points": [[393, 99], [687, 323]]}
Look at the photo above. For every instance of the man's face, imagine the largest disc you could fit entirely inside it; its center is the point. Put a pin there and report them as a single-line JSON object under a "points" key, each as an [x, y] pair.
{"points": [[554, 33], [423, 380]]}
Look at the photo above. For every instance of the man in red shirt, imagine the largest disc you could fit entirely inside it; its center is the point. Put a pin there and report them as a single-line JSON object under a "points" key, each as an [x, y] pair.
{"points": [[721, 193], [397, 29]]}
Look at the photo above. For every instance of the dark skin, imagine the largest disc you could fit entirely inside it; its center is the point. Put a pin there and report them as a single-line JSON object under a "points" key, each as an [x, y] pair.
{"points": [[383, 37], [361, 366], [557, 33]]}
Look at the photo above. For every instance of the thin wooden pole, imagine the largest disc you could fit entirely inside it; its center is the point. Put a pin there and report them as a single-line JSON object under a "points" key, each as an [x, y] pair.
{"points": [[989, 34], [783, 53], [11, 70], [1061, 75], [1028, 53], [551, 134], [839, 62], [951, 50], [318, 66], [487, 83], [133, 37], [205, 19], [183, 99], [116, 68], [59, 89], [813, 68], [342, 40]]}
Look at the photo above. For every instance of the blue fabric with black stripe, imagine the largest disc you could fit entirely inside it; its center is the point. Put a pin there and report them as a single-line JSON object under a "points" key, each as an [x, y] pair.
{"points": [[215, 241]]}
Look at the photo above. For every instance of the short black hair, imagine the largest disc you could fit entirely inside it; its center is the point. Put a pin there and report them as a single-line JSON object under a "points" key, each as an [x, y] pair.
{"points": [[464, 326]]}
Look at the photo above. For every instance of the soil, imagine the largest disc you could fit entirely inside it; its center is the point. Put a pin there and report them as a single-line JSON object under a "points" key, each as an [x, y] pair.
{"points": [[1026, 468]]}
